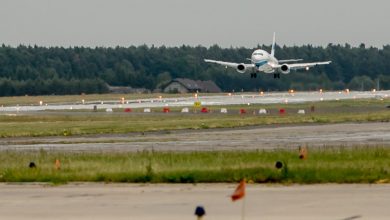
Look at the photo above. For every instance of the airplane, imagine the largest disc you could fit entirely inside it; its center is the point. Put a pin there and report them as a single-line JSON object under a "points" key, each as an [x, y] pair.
{"points": [[262, 61]]}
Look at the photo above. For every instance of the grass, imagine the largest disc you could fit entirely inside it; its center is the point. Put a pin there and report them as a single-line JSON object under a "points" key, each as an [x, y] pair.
{"points": [[34, 100], [60, 125], [80, 123], [323, 165]]}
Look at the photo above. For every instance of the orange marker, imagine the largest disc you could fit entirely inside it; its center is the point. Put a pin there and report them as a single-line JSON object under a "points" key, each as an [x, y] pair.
{"points": [[303, 153], [58, 164]]}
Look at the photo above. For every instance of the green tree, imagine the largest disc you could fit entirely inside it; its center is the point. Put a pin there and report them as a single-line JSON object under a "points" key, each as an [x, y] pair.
{"points": [[361, 83]]}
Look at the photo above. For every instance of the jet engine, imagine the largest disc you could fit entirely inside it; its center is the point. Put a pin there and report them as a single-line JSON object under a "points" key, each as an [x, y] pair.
{"points": [[285, 69], [241, 68]]}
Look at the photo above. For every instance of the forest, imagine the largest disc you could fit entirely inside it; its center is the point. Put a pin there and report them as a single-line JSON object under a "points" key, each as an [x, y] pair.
{"points": [[35, 70]]}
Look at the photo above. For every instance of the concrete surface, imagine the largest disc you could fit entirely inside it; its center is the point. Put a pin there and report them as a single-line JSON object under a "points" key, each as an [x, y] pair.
{"points": [[249, 138], [178, 202]]}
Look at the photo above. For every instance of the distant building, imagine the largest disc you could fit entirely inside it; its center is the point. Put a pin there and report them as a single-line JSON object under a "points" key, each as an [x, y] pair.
{"points": [[181, 85]]}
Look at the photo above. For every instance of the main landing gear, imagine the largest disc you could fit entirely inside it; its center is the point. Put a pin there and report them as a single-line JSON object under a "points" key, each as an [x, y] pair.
{"points": [[253, 75], [276, 75]]}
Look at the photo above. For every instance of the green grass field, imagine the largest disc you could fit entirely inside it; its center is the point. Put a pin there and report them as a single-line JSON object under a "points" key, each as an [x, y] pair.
{"points": [[80, 123], [336, 164], [323, 165]]}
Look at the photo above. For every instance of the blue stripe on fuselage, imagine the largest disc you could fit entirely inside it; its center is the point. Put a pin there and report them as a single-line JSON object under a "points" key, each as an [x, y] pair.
{"points": [[260, 63]]}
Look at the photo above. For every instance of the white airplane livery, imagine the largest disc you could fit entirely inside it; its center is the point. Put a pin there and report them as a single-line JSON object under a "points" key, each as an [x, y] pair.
{"points": [[262, 61]]}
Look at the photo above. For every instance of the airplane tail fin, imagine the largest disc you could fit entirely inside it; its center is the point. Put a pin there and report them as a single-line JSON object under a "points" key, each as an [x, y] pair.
{"points": [[273, 47]]}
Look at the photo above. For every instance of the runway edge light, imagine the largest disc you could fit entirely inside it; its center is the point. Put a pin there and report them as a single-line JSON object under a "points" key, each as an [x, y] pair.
{"points": [[200, 212]]}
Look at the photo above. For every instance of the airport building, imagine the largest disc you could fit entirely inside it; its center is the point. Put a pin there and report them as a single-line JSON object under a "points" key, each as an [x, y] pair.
{"points": [[180, 85]]}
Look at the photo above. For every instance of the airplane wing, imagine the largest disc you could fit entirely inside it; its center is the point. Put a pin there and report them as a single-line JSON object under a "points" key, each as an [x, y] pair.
{"points": [[287, 61], [228, 64], [296, 66]]}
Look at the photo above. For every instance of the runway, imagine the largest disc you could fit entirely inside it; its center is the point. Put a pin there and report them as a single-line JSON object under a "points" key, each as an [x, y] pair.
{"points": [[178, 202], [225, 99], [249, 138]]}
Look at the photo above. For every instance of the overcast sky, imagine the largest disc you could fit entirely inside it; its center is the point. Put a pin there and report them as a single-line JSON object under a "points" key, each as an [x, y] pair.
{"points": [[193, 22]]}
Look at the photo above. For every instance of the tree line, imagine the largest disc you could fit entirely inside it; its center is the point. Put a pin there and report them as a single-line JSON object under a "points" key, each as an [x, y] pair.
{"points": [[35, 70]]}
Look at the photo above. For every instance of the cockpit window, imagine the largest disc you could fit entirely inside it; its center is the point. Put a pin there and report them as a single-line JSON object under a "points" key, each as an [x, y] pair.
{"points": [[260, 54]]}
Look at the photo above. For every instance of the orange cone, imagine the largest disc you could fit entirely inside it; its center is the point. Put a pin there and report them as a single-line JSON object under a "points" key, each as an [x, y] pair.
{"points": [[303, 153], [58, 164]]}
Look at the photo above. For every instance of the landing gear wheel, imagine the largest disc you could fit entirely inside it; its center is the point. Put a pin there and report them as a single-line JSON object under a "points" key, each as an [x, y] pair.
{"points": [[277, 76]]}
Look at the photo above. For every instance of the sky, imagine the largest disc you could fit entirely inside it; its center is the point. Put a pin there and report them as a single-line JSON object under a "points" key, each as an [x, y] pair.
{"points": [[228, 23]]}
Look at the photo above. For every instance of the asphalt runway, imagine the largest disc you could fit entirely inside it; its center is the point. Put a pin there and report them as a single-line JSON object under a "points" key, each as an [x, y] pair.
{"points": [[178, 202], [249, 138], [223, 99]]}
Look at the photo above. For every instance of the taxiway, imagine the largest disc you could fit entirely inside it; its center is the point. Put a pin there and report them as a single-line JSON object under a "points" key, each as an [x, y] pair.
{"points": [[178, 202]]}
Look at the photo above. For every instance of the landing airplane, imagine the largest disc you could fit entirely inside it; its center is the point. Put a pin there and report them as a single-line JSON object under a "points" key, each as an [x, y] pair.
{"points": [[262, 61]]}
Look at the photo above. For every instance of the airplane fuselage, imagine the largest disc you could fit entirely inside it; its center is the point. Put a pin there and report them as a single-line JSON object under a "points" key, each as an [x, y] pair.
{"points": [[263, 61]]}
